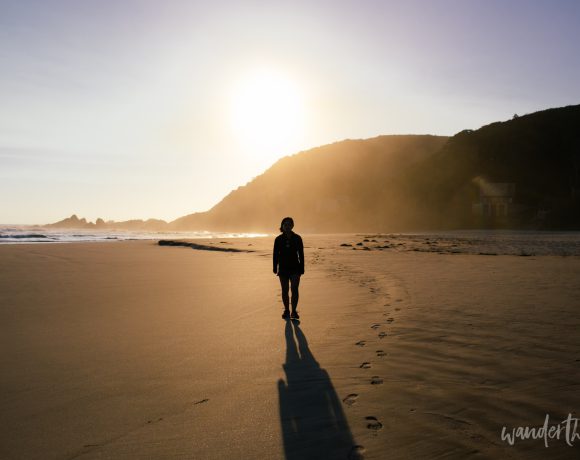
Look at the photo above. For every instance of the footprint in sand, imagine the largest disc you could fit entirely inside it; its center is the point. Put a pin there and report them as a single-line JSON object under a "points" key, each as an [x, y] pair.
{"points": [[154, 421], [375, 326], [390, 320], [381, 353], [350, 399], [382, 334], [356, 453], [397, 309], [373, 423], [365, 365], [376, 380], [361, 343]]}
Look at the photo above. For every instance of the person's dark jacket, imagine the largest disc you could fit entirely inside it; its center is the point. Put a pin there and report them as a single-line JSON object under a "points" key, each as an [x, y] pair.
{"points": [[288, 255]]}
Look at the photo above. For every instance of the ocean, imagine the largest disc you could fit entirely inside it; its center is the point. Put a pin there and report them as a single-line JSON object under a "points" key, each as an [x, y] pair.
{"points": [[18, 234]]}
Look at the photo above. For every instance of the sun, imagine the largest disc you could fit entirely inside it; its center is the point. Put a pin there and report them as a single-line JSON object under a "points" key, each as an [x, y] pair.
{"points": [[267, 113]]}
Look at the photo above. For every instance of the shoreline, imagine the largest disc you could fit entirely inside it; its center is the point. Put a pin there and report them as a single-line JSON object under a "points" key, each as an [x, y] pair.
{"points": [[480, 242]]}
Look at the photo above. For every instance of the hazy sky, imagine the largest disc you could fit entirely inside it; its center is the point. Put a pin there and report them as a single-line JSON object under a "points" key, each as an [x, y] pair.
{"points": [[143, 108]]}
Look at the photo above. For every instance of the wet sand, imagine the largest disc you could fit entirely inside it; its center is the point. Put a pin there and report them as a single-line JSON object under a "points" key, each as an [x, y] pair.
{"points": [[134, 350]]}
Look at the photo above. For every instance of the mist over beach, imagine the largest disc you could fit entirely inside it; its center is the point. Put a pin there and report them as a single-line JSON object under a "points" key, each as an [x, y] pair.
{"points": [[319, 230]]}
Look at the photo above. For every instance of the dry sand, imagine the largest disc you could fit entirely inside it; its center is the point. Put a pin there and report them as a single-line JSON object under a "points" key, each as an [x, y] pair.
{"points": [[132, 350]]}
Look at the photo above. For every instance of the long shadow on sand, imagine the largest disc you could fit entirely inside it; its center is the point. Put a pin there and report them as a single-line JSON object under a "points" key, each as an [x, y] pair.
{"points": [[311, 415]]}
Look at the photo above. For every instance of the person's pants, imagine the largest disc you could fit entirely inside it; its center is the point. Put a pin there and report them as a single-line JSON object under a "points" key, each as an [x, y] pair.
{"points": [[292, 282]]}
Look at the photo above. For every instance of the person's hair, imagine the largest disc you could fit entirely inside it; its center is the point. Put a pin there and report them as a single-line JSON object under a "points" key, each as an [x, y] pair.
{"points": [[284, 220]]}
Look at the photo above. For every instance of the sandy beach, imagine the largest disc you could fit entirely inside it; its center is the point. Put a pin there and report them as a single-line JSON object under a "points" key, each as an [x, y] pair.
{"points": [[140, 351]]}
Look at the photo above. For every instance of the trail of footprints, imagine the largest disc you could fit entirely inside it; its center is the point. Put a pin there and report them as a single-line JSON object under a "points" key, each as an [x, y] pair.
{"points": [[373, 285], [372, 423]]}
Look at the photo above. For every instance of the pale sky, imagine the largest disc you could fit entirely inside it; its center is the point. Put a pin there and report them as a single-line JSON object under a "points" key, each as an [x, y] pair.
{"points": [[143, 108]]}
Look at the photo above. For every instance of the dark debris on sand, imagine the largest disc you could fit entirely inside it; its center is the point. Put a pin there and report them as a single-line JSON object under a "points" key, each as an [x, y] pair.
{"points": [[201, 247]]}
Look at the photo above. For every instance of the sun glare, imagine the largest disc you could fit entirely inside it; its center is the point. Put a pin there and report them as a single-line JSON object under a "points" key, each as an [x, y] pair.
{"points": [[267, 114]]}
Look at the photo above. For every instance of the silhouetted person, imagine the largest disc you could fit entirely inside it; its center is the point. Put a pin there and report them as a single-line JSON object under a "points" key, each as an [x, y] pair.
{"points": [[289, 265]]}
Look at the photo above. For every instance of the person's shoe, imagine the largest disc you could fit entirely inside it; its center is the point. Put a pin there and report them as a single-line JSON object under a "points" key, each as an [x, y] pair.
{"points": [[294, 315], [286, 314]]}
